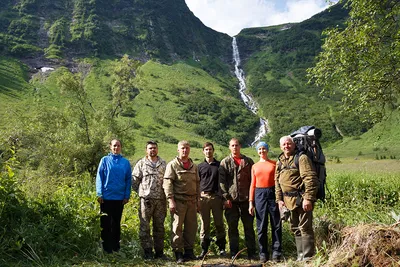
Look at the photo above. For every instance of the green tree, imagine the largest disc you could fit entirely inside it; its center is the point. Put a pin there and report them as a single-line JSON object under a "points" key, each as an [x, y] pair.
{"points": [[72, 85], [361, 62], [123, 88]]}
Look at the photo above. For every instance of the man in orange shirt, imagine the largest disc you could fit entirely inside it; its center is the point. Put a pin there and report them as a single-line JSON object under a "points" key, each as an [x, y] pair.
{"points": [[262, 192]]}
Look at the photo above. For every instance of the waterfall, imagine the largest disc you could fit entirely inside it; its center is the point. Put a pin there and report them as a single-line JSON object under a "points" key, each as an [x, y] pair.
{"points": [[247, 99]]}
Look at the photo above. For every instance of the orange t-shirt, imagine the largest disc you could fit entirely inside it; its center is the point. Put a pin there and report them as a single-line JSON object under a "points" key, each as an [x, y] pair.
{"points": [[262, 176]]}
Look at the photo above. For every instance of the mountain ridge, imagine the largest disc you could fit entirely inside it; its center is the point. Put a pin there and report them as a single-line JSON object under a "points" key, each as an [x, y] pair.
{"points": [[166, 30]]}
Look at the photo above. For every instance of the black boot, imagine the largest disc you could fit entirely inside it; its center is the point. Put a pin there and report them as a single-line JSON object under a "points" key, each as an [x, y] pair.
{"points": [[189, 255], [179, 257], [221, 245], [160, 255], [204, 248], [148, 253], [299, 248], [308, 247]]}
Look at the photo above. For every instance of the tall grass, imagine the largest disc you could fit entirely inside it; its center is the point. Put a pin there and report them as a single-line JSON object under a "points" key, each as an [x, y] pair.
{"points": [[61, 228]]}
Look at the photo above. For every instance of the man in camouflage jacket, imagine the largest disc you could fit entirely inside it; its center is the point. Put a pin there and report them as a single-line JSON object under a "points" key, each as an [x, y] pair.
{"points": [[296, 189], [147, 180]]}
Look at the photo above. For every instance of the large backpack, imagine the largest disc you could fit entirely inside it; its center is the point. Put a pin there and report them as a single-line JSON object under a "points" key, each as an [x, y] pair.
{"points": [[307, 142]]}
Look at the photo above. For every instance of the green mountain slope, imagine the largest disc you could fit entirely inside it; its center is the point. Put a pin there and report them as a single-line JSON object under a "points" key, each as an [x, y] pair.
{"points": [[275, 62], [171, 103], [380, 142], [195, 97]]}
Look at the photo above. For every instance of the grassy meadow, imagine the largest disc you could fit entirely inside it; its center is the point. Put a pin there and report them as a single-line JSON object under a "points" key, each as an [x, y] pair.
{"points": [[48, 210], [60, 226]]}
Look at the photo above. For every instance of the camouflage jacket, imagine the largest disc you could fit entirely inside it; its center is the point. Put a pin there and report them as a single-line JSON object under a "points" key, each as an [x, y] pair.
{"points": [[147, 178], [235, 180], [180, 183], [289, 179]]}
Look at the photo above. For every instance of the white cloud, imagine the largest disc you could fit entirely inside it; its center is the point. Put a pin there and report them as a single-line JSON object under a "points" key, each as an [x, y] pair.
{"points": [[230, 16]]}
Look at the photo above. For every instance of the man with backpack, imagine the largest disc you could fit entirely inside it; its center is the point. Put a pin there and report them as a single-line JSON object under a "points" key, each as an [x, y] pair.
{"points": [[296, 187]]}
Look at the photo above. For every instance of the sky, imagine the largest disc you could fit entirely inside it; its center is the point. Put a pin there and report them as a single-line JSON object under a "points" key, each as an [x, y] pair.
{"points": [[231, 16]]}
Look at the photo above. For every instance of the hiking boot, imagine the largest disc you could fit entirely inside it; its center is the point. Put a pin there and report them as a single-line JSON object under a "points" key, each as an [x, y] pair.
{"points": [[179, 257], [203, 254], [160, 255], [276, 256], [263, 258], [277, 259], [204, 246], [189, 255], [233, 254], [148, 253], [252, 256]]}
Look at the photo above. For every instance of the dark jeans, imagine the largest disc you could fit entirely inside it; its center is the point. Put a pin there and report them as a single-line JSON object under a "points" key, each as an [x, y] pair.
{"points": [[266, 207], [110, 222], [232, 215]]}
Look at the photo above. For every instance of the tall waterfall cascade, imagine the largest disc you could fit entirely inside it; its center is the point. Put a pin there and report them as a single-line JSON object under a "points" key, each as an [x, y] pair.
{"points": [[246, 98]]}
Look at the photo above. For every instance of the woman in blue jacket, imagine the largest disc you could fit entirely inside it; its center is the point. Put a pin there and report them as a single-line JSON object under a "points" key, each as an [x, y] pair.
{"points": [[113, 189]]}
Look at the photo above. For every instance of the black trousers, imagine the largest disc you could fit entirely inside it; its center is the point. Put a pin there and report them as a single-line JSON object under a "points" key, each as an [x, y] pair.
{"points": [[240, 210], [266, 207], [110, 222]]}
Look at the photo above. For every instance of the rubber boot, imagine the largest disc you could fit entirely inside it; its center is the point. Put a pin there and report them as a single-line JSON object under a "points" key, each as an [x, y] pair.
{"points": [[299, 248], [308, 247], [179, 257], [204, 248]]}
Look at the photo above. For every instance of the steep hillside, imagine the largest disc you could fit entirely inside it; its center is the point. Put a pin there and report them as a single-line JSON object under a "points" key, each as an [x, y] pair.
{"points": [[378, 143], [167, 103], [59, 29], [275, 62]]}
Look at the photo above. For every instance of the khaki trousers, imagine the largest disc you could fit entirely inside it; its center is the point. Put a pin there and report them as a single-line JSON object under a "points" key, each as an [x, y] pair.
{"points": [[184, 225], [301, 222], [211, 203]]}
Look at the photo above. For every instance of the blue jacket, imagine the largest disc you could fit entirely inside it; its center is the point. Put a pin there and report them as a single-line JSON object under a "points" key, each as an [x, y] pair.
{"points": [[113, 180]]}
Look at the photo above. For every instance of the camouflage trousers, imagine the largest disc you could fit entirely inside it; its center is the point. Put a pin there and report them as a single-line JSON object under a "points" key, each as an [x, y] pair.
{"points": [[156, 210]]}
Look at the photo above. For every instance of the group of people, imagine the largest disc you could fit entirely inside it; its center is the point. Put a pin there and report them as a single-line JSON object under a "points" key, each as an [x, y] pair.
{"points": [[235, 187]]}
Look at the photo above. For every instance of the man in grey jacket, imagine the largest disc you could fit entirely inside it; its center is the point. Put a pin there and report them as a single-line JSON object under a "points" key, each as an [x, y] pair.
{"points": [[147, 181]]}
